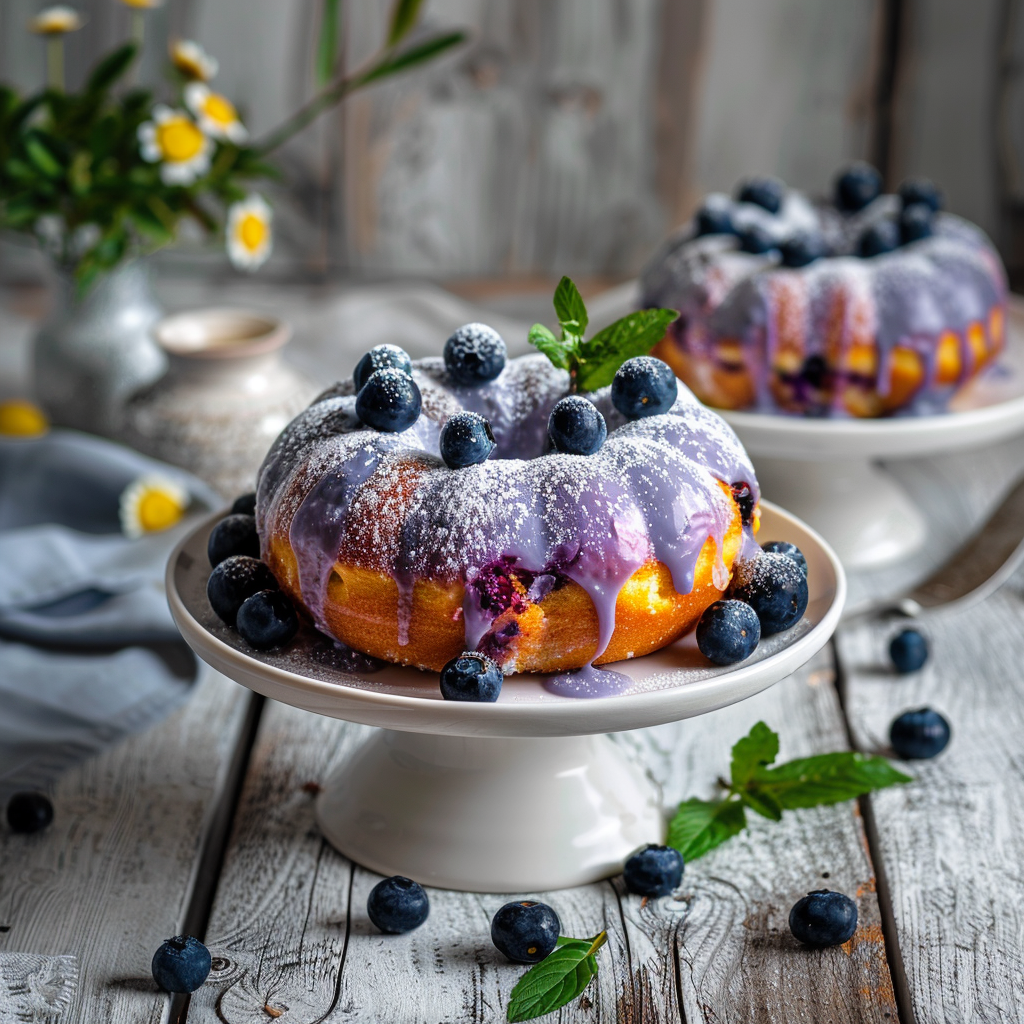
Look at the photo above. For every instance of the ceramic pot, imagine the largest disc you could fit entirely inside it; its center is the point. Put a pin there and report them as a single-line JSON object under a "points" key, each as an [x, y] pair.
{"points": [[95, 349], [224, 399]]}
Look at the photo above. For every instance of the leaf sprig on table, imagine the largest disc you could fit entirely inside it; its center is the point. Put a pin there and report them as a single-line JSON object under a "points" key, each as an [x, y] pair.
{"points": [[558, 979], [700, 825], [592, 363]]}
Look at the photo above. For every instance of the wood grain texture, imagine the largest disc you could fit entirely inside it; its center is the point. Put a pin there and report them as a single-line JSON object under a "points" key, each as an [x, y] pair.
{"points": [[113, 876], [950, 842], [290, 931]]}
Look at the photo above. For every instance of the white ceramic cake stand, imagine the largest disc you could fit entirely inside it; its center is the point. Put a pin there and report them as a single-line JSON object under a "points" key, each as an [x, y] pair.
{"points": [[822, 469], [518, 796]]}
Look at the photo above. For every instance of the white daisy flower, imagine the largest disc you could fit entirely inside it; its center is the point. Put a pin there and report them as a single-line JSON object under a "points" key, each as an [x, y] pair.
{"points": [[55, 21], [216, 114], [151, 504], [173, 140], [193, 61], [249, 236]]}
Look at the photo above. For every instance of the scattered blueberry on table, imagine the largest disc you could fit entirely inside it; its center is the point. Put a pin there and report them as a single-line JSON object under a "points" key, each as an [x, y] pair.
{"points": [[576, 426], [919, 735], [908, 651], [728, 632], [397, 905], [823, 918], [267, 620], [525, 931], [471, 677], [653, 870], [381, 357], [233, 581], [235, 534], [245, 504], [644, 386], [181, 964], [389, 401], [783, 547], [858, 185], [767, 193], [466, 440], [29, 812], [474, 355], [775, 587]]}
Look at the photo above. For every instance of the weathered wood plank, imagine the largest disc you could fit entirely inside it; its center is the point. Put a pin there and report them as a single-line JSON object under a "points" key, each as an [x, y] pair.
{"points": [[950, 842], [114, 875], [290, 930]]}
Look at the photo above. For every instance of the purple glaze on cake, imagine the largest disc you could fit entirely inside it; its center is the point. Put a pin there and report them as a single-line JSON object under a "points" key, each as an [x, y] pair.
{"points": [[588, 682], [651, 491]]}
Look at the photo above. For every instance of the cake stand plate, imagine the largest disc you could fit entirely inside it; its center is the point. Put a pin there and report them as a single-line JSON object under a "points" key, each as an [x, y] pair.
{"points": [[518, 796], [823, 470]]}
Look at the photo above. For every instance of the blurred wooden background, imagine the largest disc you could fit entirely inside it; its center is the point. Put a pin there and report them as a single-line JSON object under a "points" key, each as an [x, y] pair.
{"points": [[570, 136]]}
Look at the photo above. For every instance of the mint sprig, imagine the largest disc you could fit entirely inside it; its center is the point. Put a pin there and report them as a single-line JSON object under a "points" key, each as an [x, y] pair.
{"points": [[592, 364], [558, 979], [700, 825]]}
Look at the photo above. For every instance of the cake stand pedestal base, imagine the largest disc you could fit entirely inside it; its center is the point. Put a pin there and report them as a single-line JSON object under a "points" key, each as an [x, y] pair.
{"points": [[856, 507], [512, 814]]}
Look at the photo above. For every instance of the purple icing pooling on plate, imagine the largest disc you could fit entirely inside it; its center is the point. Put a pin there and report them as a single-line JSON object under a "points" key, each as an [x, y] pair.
{"points": [[540, 518]]}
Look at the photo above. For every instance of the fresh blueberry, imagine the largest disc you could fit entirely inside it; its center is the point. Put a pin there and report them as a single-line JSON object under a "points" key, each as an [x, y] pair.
{"points": [[921, 190], [181, 964], [858, 185], [267, 620], [775, 587], [764, 192], [245, 504], [233, 581], [29, 812], [233, 535], [816, 371], [881, 237], [525, 931], [397, 904], [823, 918], [783, 547], [744, 498], [801, 249], [389, 401], [908, 650], [715, 216], [471, 676], [644, 386], [757, 239], [653, 870], [917, 221], [474, 354], [918, 735], [727, 632], [381, 358], [576, 427], [466, 440]]}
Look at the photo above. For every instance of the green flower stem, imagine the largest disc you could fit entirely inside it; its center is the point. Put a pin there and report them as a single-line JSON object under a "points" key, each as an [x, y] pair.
{"points": [[306, 115], [55, 62], [138, 28]]}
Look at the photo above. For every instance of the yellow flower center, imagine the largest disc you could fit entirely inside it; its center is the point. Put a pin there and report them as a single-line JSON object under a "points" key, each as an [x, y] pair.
{"points": [[158, 511], [21, 419], [179, 139], [219, 109], [253, 231], [141, 3]]}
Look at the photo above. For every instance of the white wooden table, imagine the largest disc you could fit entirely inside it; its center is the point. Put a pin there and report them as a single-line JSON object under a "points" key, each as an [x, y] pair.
{"points": [[205, 824]]}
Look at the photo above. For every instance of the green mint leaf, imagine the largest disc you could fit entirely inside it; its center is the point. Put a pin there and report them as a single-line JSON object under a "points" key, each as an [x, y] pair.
{"points": [[758, 748], [633, 335], [110, 69], [570, 308], [545, 342], [763, 802], [403, 17], [826, 779], [558, 979], [700, 825]]}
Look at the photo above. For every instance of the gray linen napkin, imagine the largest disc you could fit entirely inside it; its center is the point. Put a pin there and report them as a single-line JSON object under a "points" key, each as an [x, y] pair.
{"points": [[77, 599]]}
